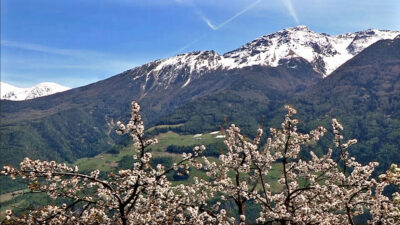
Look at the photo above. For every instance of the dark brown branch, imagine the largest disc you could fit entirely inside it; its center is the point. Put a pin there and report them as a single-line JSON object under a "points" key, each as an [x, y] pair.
{"points": [[284, 162]]}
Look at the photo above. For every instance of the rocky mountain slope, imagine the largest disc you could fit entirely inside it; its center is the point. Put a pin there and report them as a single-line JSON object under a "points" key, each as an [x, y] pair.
{"points": [[10, 92]]}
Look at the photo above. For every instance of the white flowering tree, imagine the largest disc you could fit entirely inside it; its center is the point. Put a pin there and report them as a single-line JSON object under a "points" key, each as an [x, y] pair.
{"points": [[316, 191], [141, 195]]}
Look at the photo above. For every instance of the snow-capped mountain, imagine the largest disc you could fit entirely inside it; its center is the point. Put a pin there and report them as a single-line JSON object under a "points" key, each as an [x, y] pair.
{"points": [[10, 92], [325, 52]]}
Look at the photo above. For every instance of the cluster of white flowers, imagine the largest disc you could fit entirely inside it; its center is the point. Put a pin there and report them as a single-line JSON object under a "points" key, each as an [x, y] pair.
{"points": [[321, 190]]}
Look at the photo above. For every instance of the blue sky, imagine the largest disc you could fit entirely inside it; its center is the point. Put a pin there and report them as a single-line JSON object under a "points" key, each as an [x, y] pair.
{"points": [[77, 42]]}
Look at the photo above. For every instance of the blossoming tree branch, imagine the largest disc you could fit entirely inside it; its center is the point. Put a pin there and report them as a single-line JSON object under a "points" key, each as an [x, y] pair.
{"points": [[322, 190]]}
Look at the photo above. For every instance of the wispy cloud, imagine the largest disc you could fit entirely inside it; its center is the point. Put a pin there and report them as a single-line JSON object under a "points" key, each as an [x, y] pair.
{"points": [[239, 13], [289, 6], [47, 49], [81, 58]]}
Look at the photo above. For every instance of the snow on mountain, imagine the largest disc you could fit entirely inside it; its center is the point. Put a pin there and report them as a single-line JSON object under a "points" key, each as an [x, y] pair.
{"points": [[10, 92], [325, 52], [187, 67]]}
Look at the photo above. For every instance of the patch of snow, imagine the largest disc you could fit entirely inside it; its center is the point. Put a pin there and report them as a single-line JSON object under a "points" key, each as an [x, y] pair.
{"points": [[215, 132], [197, 135], [220, 136], [187, 82]]}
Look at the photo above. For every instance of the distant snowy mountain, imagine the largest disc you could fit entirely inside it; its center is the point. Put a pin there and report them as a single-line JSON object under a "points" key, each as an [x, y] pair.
{"points": [[10, 92], [325, 52]]}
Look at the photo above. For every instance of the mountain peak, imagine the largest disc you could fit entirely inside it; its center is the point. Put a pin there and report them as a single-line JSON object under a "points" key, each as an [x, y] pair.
{"points": [[298, 28], [195, 53], [10, 92]]}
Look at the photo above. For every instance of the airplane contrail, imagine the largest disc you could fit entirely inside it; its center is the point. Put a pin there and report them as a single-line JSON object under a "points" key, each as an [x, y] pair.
{"points": [[188, 44], [238, 14], [206, 20], [213, 27]]}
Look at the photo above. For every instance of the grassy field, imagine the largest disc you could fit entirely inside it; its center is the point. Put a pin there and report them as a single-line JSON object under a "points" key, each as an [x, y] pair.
{"points": [[8, 196], [171, 138], [106, 162], [163, 126], [103, 162]]}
